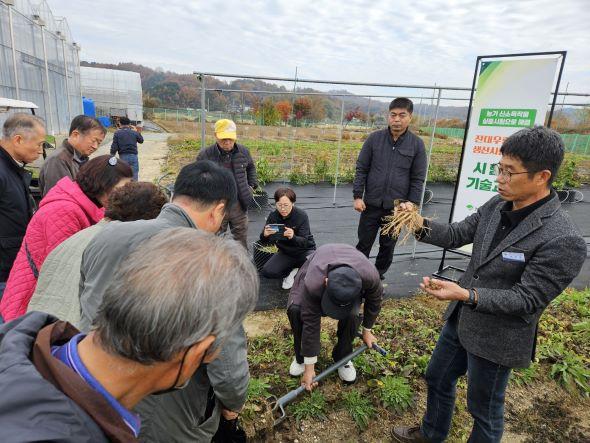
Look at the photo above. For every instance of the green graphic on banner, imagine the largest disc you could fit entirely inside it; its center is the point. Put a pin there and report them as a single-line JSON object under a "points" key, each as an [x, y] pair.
{"points": [[511, 118], [487, 70]]}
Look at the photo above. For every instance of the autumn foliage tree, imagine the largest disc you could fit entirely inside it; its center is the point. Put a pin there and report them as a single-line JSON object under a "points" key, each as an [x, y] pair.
{"points": [[355, 113], [284, 109], [302, 107], [266, 112]]}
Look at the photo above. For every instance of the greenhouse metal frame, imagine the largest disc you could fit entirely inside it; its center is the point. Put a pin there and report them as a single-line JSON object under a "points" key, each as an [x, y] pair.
{"points": [[39, 62]]}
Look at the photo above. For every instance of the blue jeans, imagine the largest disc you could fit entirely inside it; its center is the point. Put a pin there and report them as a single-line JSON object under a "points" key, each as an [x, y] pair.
{"points": [[131, 159], [486, 387]]}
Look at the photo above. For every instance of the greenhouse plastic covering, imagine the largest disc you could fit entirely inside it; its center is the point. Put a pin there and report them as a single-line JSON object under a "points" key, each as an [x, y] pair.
{"points": [[47, 69], [115, 93]]}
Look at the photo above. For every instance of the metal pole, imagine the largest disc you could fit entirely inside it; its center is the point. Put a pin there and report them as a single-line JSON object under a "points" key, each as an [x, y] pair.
{"points": [[369, 111], [331, 82], [431, 103], [77, 71], [63, 47], [11, 26], [292, 131], [428, 164], [563, 55], [421, 110], [339, 147], [42, 26], [203, 111], [562, 102]]}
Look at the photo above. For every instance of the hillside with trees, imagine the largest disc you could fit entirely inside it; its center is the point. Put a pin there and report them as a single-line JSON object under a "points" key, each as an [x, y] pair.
{"points": [[172, 90]]}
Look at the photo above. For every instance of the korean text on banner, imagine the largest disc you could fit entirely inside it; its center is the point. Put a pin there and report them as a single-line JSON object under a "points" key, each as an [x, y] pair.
{"points": [[510, 95]]}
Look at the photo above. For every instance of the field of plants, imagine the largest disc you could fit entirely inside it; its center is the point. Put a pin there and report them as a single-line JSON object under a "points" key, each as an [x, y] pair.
{"points": [[548, 402], [314, 160]]}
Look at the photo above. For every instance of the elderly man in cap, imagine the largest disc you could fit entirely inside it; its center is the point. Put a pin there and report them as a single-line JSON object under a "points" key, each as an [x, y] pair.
{"points": [[237, 159], [333, 282]]}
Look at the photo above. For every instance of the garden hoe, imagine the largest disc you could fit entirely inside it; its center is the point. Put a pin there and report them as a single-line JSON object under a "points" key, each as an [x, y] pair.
{"points": [[279, 405]]}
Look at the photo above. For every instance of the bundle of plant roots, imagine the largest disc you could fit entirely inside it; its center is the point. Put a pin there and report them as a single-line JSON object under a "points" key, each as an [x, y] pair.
{"points": [[398, 221], [432, 284], [268, 249]]}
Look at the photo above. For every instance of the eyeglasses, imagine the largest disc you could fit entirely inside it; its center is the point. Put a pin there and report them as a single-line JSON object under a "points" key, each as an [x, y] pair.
{"points": [[283, 205], [500, 171]]}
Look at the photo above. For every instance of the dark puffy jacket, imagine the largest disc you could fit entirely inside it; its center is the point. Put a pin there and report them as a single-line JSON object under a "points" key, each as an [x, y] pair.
{"points": [[242, 167], [301, 242], [31, 407], [16, 210], [385, 173]]}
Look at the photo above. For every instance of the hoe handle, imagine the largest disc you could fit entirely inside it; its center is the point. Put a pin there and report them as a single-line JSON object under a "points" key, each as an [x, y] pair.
{"points": [[292, 395]]}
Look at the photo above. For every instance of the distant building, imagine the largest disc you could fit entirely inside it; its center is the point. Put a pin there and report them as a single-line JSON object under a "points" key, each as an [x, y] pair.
{"points": [[115, 93]]}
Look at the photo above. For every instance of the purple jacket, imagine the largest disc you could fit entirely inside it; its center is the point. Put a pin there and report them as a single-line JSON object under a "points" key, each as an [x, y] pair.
{"points": [[308, 290]]}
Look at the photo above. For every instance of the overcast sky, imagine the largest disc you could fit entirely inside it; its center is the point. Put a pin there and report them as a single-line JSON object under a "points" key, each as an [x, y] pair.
{"points": [[409, 42]]}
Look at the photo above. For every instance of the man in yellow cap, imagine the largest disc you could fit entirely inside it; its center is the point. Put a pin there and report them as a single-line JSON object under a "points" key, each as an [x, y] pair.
{"points": [[238, 160]]}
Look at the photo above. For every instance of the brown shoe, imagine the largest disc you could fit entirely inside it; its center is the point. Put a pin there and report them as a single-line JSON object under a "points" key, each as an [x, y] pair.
{"points": [[404, 434]]}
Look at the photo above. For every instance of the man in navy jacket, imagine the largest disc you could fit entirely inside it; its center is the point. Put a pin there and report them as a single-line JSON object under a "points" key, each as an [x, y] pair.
{"points": [[125, 143]]}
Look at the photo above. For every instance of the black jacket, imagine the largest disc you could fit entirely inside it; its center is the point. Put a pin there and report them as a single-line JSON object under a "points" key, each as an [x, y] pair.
{"points": [[125, 141], [16, 210], [385, 173], [301, 242], [243, 169], [33, 406]]}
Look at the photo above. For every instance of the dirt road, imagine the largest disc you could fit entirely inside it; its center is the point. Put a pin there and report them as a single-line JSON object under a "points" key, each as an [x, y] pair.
{"points": [[151, 153]]}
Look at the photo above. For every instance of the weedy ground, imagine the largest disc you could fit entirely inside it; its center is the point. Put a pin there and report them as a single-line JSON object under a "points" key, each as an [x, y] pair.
{"points": [[547, 402]]}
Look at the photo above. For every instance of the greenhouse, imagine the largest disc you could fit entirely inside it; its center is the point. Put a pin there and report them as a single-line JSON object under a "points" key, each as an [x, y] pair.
{"points": [[115, 93], [39, 62]]}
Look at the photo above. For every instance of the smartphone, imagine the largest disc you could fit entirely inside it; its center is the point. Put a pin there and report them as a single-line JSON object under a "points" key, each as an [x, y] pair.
{"points": [[277, 227]]}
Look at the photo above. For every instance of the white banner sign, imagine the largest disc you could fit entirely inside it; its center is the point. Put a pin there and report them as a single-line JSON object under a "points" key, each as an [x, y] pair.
{"points": [[510, 95]]}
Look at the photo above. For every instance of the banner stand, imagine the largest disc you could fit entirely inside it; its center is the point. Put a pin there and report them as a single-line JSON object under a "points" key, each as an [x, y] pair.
{"points": [[449, 272]]}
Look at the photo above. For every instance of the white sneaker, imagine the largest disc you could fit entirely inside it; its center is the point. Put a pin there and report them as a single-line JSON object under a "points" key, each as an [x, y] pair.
{"points": [[290, 279], [347, 373], [296, 369]]}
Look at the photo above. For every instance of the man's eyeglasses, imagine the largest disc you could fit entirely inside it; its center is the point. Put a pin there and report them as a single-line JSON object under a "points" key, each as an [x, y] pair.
{"points": [[507, 175]]}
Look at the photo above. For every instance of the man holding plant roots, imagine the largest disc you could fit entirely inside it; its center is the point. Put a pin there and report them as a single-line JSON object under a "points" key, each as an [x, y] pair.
{"points": [[526, 251]]}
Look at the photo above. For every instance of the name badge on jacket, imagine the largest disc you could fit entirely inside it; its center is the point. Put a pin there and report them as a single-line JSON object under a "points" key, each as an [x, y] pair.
{"points": [[517, 257]]}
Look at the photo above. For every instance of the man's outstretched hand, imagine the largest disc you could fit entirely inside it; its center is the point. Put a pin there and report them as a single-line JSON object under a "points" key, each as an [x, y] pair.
{"points": [[444, 290]]}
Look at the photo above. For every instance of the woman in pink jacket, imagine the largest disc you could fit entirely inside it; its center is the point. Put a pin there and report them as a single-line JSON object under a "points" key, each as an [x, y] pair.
{"points": [[68, 207]]}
